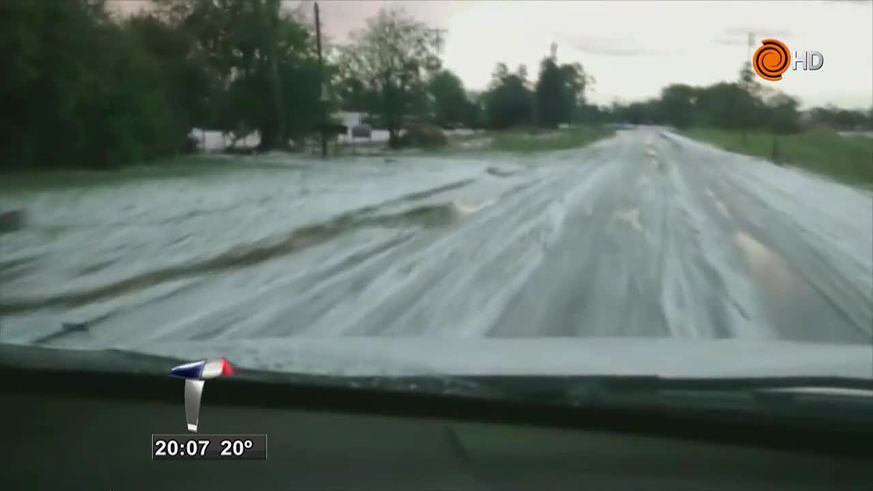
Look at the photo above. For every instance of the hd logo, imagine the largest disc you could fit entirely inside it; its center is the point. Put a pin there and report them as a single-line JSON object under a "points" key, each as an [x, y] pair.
{"points": [[773, 58]]}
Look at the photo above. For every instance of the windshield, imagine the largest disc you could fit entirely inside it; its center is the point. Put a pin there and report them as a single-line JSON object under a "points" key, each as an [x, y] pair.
{"points": [[441, 189]]}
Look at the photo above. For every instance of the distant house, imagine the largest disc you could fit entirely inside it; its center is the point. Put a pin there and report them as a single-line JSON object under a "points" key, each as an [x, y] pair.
{"points": [[350, 120], [219, 141], [357, 127]]}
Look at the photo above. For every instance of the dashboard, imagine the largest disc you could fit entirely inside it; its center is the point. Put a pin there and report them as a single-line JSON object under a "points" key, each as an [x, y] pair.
{"points": [[95, 431]]}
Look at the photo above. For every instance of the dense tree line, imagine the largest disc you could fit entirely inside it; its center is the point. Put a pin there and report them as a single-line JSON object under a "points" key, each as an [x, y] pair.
{"points": [[558, 97], [554, 99], [509, 99], [81, 88], [741, 106], [77, 87]]}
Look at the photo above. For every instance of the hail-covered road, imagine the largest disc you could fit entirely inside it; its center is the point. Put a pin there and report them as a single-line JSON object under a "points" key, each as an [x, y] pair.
{"points": [[644, 235]]}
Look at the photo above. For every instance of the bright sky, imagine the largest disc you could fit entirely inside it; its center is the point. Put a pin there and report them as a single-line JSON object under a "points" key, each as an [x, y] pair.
{"points": [[634, 48]]}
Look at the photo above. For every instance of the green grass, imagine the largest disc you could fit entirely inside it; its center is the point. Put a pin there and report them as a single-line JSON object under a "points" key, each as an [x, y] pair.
{"points": [[524, 141], [848, 159]]}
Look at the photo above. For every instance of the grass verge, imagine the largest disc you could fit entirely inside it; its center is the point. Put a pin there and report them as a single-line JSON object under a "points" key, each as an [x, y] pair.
{"points": [[846, 158]]}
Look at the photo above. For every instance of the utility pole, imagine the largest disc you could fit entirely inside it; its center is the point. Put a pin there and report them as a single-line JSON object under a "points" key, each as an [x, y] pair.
{"points": [[438, 39], [323, 97], [749, 43], [747, 79], [279, 139]]}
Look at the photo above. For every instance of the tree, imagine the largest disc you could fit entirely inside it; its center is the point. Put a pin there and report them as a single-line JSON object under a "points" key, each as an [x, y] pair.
{"points": [[391, 59], [728, 106], [644, 112], [841, 119], [782, 114], [451, 105], [678, 105], [265, 61], [474, 112], [353, 93], [576, 81], [591, 114], [190, 88], [78, 89], [549, 99], [559, 91], [508, 101]]}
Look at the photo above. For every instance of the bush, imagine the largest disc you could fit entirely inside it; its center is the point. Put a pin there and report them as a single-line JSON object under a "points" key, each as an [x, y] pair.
{"points": [[423, 137]]}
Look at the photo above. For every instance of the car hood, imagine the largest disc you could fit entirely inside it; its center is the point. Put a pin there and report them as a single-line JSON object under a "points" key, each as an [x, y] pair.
{"points": [[375, 356]]}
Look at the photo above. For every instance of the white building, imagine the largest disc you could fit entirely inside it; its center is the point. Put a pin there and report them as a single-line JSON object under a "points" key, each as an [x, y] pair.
{"points": [[352, 119]]}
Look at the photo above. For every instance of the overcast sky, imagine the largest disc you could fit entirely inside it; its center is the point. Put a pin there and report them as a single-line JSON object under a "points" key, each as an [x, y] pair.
{"points": [[634, 48]]}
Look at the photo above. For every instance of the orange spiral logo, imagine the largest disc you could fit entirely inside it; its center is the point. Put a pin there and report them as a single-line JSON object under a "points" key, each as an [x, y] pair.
{"points": [[771, 59]]}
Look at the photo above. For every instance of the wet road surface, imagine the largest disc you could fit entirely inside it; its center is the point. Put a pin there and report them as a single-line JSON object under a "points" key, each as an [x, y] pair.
{"points": [[646, 234]]}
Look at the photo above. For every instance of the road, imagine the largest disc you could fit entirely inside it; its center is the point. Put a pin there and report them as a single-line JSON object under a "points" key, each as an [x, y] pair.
{"points": [[646, 234]]}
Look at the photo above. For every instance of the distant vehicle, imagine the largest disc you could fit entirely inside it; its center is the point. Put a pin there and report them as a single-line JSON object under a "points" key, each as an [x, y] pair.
{"points": [[361, 131]]}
